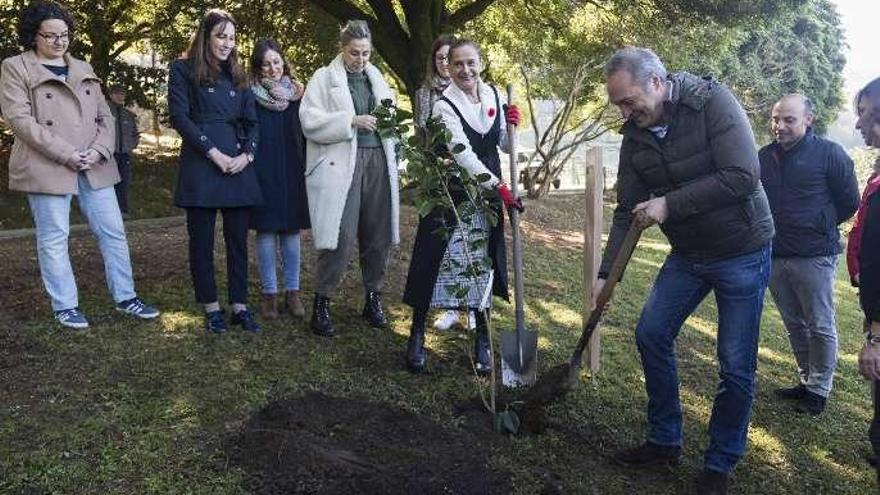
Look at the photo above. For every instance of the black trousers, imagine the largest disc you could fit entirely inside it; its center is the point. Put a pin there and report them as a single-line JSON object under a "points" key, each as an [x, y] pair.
{"points": [[123, 161], [200, 225]]}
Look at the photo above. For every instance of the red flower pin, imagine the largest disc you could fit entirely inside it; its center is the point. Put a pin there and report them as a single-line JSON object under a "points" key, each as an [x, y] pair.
{"points": [[491, 111]]}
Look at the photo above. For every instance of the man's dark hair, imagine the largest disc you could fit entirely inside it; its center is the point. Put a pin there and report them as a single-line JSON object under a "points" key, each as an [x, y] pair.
{"points": [[34, 14], [804, 99]]}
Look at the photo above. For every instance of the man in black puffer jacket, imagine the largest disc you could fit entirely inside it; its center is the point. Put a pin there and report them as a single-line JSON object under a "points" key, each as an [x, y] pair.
{"points": [[689, 162], [812, 188]]}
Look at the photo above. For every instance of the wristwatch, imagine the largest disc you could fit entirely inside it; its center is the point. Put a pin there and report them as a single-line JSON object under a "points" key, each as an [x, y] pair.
{"points": [[250, 157]]}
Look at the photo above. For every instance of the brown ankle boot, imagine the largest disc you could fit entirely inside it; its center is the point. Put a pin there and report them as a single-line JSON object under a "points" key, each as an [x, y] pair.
{"points": [[293, 304], [269, 307]]}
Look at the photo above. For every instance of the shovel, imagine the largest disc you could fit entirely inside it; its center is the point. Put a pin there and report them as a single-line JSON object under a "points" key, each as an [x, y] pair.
{"points": [[519, 350], [562, 379]]}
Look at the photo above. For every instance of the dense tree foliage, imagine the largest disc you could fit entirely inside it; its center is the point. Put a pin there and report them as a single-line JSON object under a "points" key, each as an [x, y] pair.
{"points": [[762, 48]]}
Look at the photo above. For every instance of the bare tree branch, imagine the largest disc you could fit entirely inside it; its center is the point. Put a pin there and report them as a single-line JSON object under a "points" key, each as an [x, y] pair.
{"points": [[567, 131], [534, 115]]}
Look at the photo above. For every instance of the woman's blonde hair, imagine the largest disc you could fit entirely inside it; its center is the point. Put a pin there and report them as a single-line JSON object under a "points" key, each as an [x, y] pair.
{"points": [[355, 29]]}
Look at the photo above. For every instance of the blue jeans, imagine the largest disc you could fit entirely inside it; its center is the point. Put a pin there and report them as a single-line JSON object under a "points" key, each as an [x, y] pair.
{"points": [[51, 214], [266, 243], [739, 284]]}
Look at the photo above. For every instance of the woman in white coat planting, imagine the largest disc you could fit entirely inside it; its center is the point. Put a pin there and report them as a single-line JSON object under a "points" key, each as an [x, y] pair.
{"points": [[351, 175]]}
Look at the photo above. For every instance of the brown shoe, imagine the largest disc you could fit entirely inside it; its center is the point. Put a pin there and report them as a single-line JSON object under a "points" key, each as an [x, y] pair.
{"points": [[269, 307], [293, 304]]}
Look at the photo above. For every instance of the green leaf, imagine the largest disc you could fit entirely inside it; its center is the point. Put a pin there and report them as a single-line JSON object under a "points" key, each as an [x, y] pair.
{"points": [[458, 148]]}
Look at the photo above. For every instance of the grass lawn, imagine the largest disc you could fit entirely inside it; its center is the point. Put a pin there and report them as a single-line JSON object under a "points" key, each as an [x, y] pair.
{"points": [[162, 407]]}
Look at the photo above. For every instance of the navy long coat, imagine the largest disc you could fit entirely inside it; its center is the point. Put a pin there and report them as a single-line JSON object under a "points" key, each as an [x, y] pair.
{"points": [[279, 162], [221, 116]]}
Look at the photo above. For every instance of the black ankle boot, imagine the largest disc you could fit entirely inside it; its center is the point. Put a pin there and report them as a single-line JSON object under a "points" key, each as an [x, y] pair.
{"points": [[373, 312], [321, 323], [482, 351], [416, 354]]}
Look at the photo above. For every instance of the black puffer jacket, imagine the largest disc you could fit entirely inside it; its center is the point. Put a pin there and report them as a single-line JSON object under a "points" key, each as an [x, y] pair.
{"points": [[707, 168]]}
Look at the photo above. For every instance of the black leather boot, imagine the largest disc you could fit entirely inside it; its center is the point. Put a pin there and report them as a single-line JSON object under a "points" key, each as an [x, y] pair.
{"points": [[416, 354], [482, 351], [321, 323], [373, 312]]}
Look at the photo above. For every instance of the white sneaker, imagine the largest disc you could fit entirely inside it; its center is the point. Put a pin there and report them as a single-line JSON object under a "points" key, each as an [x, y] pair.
{"points": [[446, 320]]}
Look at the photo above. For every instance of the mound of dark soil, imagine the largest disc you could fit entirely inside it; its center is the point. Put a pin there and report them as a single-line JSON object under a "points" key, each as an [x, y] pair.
{"points": [[321, 444]]}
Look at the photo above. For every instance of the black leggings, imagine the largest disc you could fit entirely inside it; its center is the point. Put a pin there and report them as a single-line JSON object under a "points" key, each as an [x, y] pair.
{"points": [[200, 225]]}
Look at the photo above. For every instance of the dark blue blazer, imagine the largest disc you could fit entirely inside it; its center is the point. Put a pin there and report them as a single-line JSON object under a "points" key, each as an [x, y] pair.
{"points": [[218, 115], [811, 188]]}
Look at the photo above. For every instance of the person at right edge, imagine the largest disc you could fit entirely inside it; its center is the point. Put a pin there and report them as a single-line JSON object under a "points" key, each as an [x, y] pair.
{"points": [[811, 186], [863, 256], [688, 163]]}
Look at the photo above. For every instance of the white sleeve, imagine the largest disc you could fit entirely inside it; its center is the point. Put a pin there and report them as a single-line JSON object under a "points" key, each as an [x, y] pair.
{"points": [[319, 123], [467, 158]]}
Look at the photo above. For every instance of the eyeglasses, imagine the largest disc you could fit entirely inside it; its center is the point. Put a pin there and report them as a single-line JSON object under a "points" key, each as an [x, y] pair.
{"points": [[55, 38]]}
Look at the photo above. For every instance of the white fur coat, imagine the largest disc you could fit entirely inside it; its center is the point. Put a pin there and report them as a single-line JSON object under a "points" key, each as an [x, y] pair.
{"points": [[331, 147]]}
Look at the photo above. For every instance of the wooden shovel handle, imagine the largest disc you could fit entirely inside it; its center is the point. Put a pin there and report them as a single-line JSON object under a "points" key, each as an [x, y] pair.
{"points": [[620, 261]]}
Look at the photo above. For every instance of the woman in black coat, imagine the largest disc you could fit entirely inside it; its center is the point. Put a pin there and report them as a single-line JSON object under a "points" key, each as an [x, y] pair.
{"points": [[213, 110], [863, 254], [471, 111], [279, 164]]}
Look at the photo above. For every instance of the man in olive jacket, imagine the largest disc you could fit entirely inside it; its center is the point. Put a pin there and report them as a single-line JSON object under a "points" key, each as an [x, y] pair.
{"points": [[688, 162], [812, 188]]}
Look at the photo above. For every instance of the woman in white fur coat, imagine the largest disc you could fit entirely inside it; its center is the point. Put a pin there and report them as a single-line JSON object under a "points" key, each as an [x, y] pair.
{"points": [[351, 175]]}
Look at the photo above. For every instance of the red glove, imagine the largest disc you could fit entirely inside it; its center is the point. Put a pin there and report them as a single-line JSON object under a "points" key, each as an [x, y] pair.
{"points": [[508, 199], [511, 114]]}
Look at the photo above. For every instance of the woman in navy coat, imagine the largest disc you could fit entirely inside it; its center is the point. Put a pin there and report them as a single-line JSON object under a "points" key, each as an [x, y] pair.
{"points": [[213, 110], [279, 164]]}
